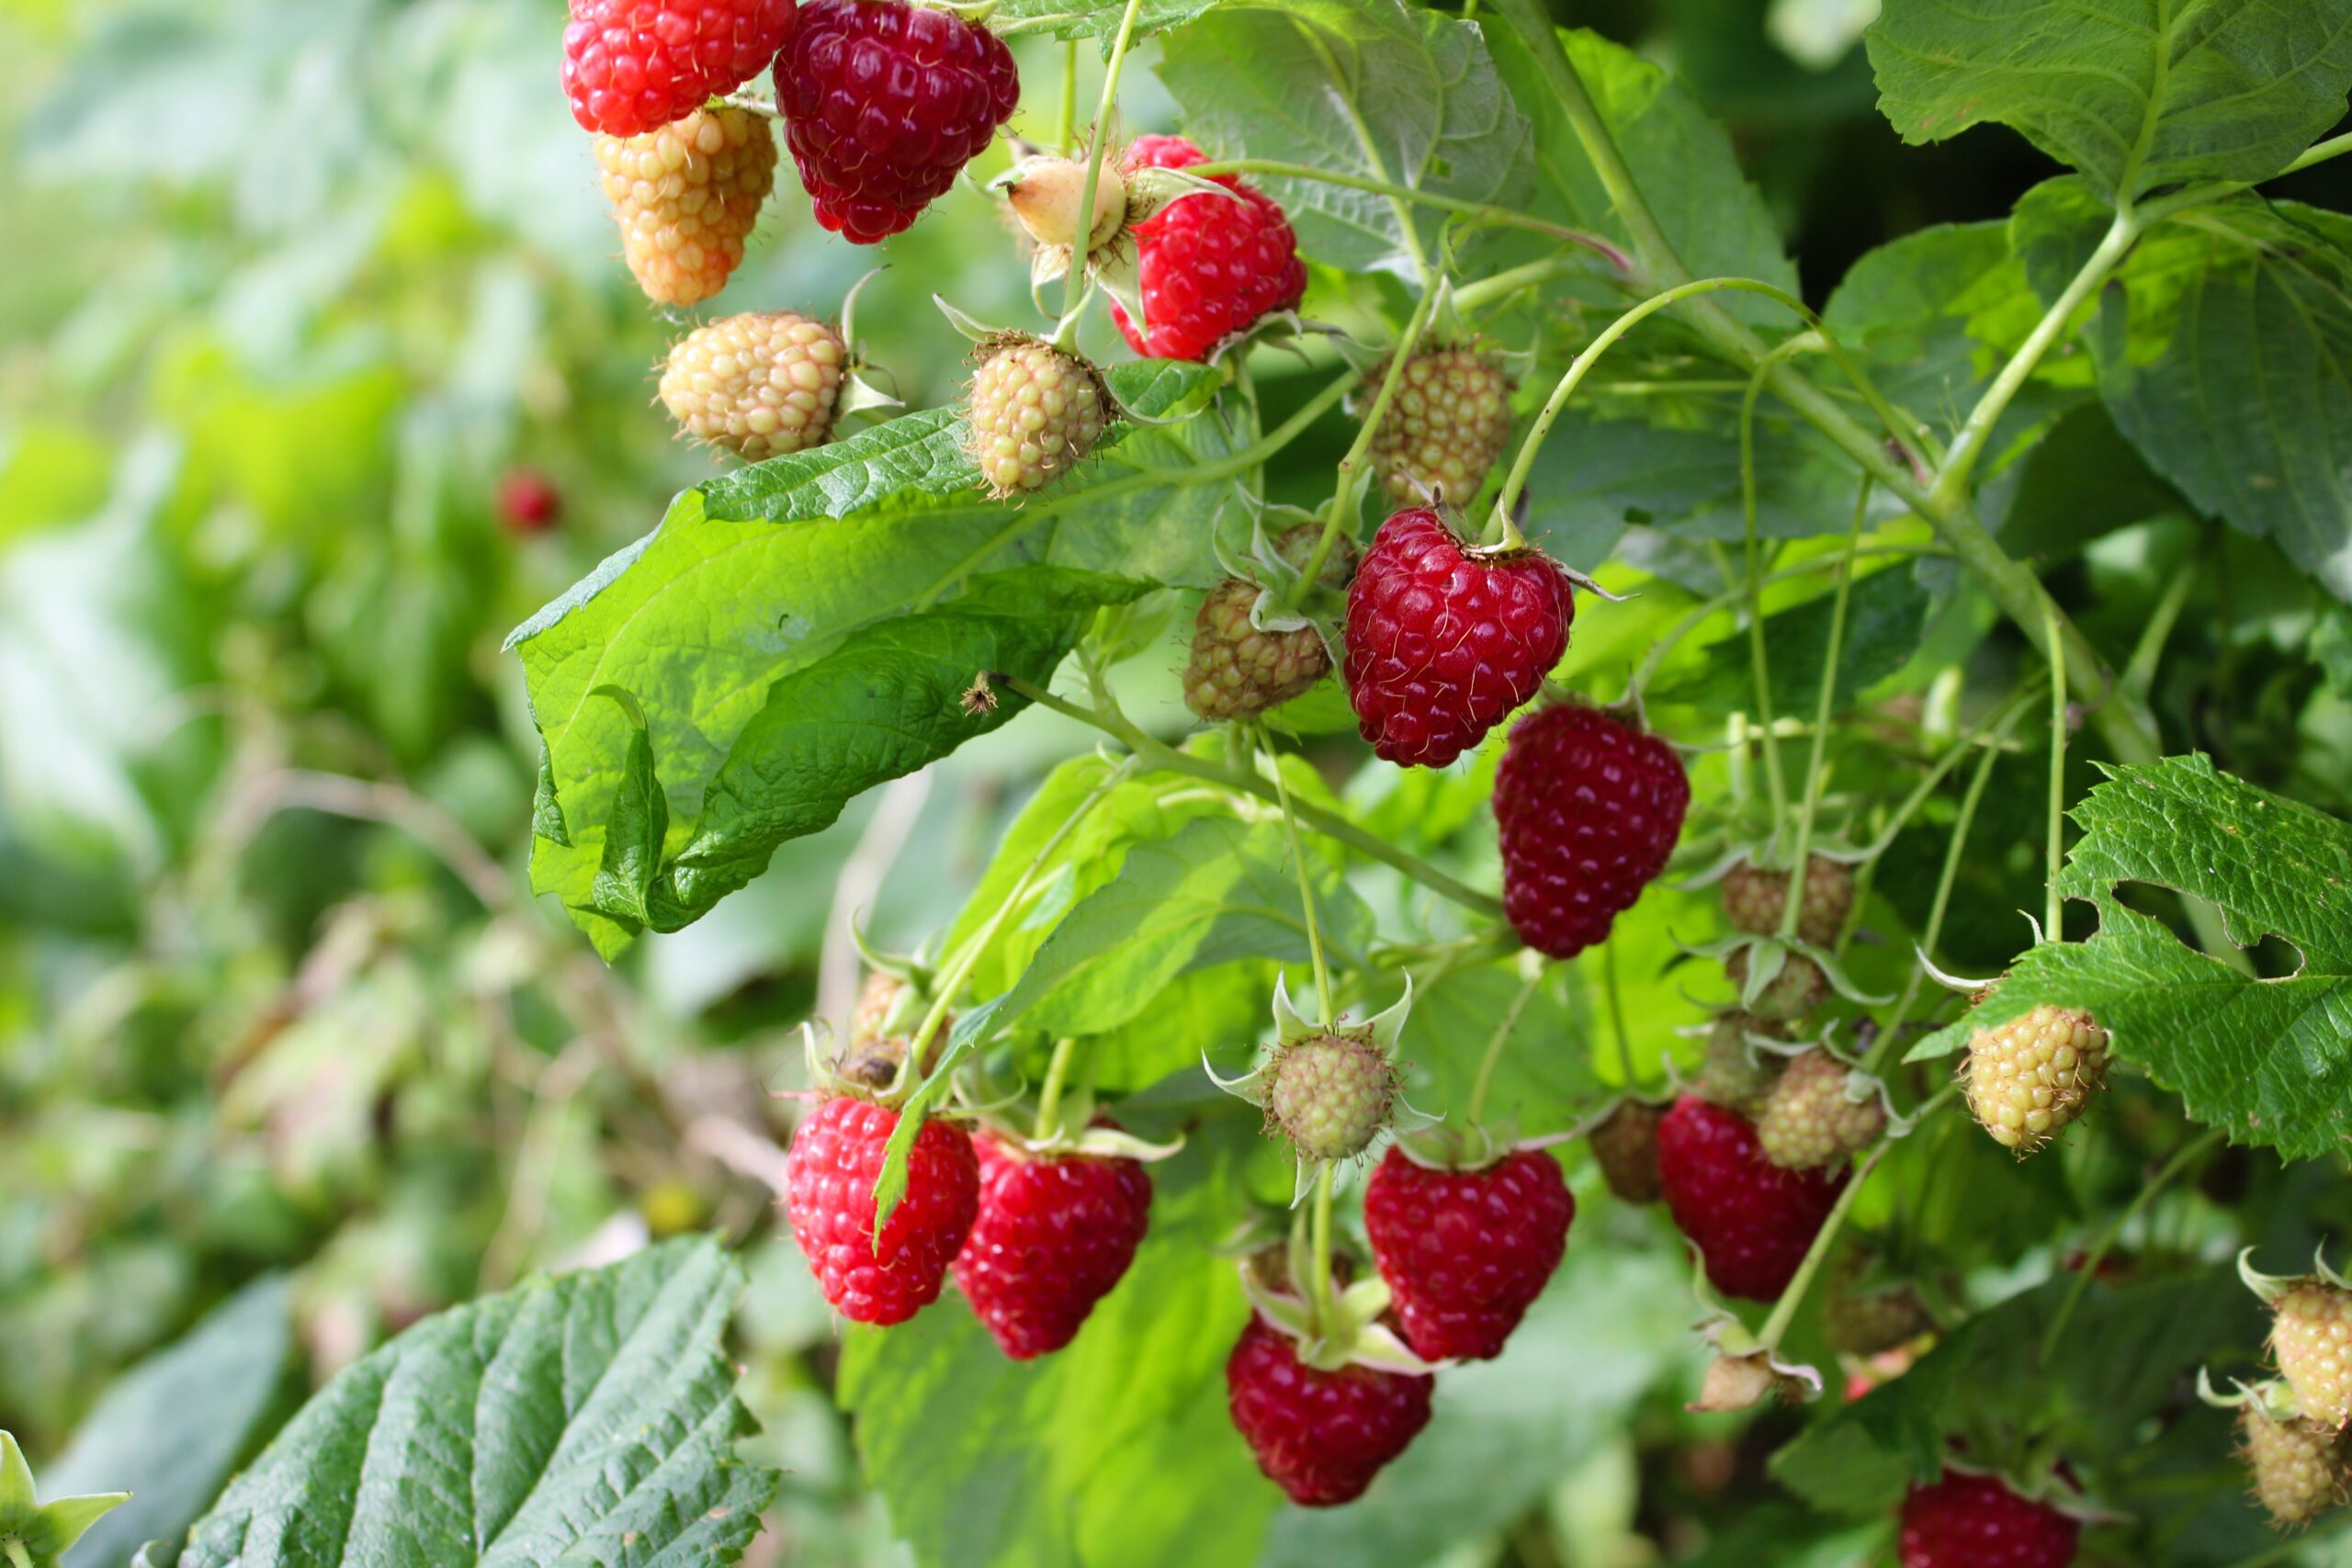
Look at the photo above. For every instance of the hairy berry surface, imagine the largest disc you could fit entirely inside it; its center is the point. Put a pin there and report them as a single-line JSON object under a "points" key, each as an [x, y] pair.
{"points": [[1447, 424], [1055, 1234], [759, 386], [835, 1158], [2311, 1336], [1464, 1252], [632, 66], [2029, 1077], [1208, 266], [1321, 1437], [1034, 414], [1588, 811], [1751, 1221], [686, 196], [1755, 898]]}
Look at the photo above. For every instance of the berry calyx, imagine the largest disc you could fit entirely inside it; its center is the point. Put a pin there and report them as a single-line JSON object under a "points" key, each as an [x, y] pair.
{"points": [[632, 66], [1207, 267], [1330, 1094], [1441, 643], [830, 1172], [2028, 1078], [2299, 1467], [1624, 1145], [1756, 897], [686, 196], [1588, 810], [1466, 1252], [1320, 1435], [1751, 1221], [1447, 422], [759, 386], [1975, 1521], [1736, 1073], [883, 104], [1054, 1233], [1797, 989], [1809, 1118], [1034, 413], [1045, 194]]}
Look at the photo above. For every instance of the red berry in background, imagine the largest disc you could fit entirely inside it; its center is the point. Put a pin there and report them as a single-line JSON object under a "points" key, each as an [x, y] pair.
{"points": [[1752, 1221], [1209, 266], [1055, 1234], [1321, 1437], [884, 104], [1588, 810], [1975, 1521], [1466, 1252], [632, 66], [829, 1196], [528, 502], [1441, 644]]}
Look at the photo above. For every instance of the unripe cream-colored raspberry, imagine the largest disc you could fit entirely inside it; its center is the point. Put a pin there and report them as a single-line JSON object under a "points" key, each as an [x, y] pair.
{"points": [[1808, 1119], [1036, 413], [2298, 1466], [1447, 424], [759, 385], [2312, 1337], [1755, 898], [686, 197], [2030, 1077]]}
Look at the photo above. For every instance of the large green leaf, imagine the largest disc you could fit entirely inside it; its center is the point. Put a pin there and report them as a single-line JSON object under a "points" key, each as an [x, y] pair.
{"points": [[2224, 352], [2269, 1061], [763, 572], [1094, 19], [590, 1419], [2136, 93], [1365, 87], [172, 1430]]}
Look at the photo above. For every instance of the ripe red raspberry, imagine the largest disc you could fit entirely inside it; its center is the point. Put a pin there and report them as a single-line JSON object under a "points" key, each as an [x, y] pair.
{"points": [[1448, 422], [632, 66], [1975, 1521], [1055, 1234], [883, 104], [1626, 1148], [1755, 897], [829, 1197], [1588, 810], [1209, 266], [1442, 644], [1321, 1437], [686, 196], [528, 502], [1466, 1252], [1752, 1221]]}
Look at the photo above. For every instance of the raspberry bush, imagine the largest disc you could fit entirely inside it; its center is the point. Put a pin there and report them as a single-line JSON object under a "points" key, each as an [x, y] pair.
{"points": [[1386, 669]]}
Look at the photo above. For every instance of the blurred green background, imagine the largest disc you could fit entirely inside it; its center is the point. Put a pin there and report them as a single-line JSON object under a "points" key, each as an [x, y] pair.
{"points": [[290, 296]]}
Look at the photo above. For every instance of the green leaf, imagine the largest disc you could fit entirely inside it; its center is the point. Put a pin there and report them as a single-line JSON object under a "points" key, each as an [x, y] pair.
{"points": [[1365, 87], [2079, 482], [1116, 1451], [1544, 1081], [1093, 18], [2269, 1061], [1884, 614], [2223, 349], [590, 1419], [177, 1423], [1681, 159], [2136, 93]]}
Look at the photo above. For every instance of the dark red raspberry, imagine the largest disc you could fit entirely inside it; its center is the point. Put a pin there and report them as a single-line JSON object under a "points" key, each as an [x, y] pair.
{"points": [[1975, 1521], [829, 1196], [1464, 1252], [1752, 1221], [1209, 266], [1055, 1234], [884, 104], [1588, 810], [632, 66], [1321, 1437], [1441, 644], [528, 502]]}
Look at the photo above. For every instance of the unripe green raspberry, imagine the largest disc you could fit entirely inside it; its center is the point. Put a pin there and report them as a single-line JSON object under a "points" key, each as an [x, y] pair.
{"points": [[1755, 898], [1808, 1119], [1626, 1148], [1330, 1095], [2298, 1466], [1036, 413], [1864, 1323], [1238, 671], [1735, 1074], [686, 197], [1447, 424], [1796, 991], [2311, 1335], [760, 385], [2030, 1077]]}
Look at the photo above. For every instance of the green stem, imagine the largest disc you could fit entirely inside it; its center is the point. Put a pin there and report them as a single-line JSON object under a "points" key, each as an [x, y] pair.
{"points": [[1486, 1079], [1944, 764], [1049, 1099], [2054, 902], [1759, 654], [1305, 889], [1156, 756], [1344, 498], [2114, 1232], [2140, 670], [1321, 1236], [15, 1551], [1784, 1310], [1066, 112], [1792, 907], [1074, 285], [1617, 1030], [1501, 217], [1503, 285]]}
